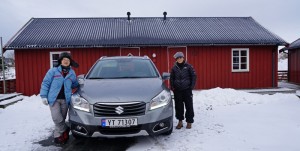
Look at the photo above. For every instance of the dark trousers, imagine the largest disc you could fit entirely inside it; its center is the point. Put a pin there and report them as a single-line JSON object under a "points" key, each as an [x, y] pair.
{"points": [[184, 98]]}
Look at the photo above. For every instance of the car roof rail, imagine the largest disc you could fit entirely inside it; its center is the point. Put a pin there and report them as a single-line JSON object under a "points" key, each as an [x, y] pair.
{"points": [[146, 57], [103, 57]]}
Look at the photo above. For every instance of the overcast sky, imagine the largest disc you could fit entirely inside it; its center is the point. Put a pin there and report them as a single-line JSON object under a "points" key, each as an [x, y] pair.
{"points": [[278, 16]]}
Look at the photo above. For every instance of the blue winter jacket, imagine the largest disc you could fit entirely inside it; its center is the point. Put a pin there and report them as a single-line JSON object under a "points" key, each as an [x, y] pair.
{"points": [[53, 82]]}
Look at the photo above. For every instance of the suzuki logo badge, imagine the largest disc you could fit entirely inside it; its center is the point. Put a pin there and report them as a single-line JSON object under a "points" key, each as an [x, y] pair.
{"points": [[119, 110]]}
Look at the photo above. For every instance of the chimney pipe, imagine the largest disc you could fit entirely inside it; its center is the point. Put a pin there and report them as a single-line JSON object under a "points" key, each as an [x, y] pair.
{"points": [[165, 15], [128, 16]]}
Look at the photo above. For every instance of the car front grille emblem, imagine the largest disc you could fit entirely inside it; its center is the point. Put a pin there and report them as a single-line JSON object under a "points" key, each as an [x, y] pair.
{"points": [[119, 110]]}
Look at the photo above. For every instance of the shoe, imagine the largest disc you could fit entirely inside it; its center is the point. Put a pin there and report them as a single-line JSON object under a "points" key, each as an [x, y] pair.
{"points": [[59, 140], [66, 134], [179, 125], [189, 126]]}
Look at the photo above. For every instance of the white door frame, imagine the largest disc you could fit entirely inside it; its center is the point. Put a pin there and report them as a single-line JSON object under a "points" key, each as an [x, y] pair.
{"points": [[168, 54], [130, 47]]}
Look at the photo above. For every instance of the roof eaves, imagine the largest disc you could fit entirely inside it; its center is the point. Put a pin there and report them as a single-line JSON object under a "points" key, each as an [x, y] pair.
{"points": [[294, 45], [291, 48], [283, 43], [6, 46], [131, 45]]}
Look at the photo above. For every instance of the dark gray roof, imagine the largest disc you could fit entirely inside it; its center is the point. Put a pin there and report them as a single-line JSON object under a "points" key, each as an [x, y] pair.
{"points": [[294, 45], [141, 31]]}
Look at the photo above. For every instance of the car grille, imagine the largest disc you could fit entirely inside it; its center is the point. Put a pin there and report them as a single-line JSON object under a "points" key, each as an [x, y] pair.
{"points": [[119, 109]]}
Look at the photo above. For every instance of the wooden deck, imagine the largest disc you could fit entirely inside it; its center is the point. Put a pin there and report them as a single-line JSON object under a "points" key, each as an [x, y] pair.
{"points": [[9, 99]]}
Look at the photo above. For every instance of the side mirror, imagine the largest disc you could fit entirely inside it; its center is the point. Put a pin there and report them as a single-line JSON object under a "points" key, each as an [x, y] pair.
{"points": [[80, 79], [165, 76]]}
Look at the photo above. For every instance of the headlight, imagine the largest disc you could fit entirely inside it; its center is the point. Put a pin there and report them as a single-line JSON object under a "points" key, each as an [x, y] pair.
{"points": [[80, 103], [160, 100]]}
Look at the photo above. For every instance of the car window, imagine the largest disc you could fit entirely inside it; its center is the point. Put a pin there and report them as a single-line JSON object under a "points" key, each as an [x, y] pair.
{"points": [[123, 68]]}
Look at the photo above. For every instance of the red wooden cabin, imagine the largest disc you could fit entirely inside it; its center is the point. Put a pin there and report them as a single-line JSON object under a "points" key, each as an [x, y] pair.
{"points": [[226, 52], [293, 61]]}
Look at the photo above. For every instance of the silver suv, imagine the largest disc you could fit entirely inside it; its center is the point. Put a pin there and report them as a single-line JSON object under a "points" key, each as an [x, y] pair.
{"points": [[121, 97]]}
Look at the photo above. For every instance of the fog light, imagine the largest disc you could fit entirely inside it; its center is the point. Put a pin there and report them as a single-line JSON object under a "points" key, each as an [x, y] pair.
{"points": [[161, 124], [78, 127]]}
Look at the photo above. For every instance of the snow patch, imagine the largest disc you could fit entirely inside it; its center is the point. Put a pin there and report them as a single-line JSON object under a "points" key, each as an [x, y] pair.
{"points": [[225, 119]]}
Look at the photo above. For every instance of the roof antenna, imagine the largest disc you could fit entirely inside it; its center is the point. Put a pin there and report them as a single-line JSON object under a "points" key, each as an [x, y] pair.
{"points": [[128, 16], [165, 15]]}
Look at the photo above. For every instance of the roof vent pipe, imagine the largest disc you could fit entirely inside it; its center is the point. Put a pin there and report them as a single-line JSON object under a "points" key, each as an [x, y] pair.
{"points": [[165, 15], [128, 16]]}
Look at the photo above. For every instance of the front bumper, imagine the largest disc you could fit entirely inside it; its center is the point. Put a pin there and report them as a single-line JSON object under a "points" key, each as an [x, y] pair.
{"points": [[152, 123]]}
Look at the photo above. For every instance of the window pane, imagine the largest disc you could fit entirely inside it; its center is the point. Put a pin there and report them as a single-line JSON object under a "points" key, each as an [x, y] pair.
{"points": [[235, 53], [240, 58], [243, 53], [236, 60], [55, 63], [235, 66], [243, 59], [55, 56], [243, 66]]}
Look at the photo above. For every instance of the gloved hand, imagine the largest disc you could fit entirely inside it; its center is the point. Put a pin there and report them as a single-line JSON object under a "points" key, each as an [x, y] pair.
{"points": [[45, 101]]}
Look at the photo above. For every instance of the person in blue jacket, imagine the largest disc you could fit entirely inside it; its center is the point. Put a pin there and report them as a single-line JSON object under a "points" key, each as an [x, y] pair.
{"points": [[56, 90]]}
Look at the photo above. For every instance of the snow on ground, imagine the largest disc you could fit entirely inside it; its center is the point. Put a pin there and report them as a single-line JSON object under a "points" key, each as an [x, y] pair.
{"points": [[10, 73], [282, 64], [23, 123], [225, 120]]}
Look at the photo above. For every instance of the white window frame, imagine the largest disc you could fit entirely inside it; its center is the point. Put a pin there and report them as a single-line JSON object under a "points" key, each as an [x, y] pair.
{"points": [[51, 57], [248, 58]]}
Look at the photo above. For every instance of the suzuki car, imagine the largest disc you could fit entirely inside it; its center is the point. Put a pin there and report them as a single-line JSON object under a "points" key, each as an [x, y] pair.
{"points": [[121, 97]]}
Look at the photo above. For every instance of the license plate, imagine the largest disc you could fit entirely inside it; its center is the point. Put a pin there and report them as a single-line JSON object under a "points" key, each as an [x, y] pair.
{"points": [[119, 122]]}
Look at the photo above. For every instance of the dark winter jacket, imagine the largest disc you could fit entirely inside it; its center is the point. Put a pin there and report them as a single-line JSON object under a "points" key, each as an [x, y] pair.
{"points": [[183, 77]]}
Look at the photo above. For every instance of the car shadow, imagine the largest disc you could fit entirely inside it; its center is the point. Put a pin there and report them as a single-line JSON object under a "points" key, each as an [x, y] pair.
{"points": [[94, 144]]}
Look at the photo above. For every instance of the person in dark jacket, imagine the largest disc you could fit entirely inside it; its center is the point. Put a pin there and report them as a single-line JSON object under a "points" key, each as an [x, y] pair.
{"points": [[56, 90], [183, 80]]}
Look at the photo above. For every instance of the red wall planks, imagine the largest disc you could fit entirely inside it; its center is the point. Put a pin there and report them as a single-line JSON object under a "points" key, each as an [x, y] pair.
{"points": [[294, 66], [212, 65]]}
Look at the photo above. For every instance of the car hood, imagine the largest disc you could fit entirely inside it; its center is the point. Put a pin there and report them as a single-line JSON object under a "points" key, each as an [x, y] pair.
{"points": [[120, 90]]}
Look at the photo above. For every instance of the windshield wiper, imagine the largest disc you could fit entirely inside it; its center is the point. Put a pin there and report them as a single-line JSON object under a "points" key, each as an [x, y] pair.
{"points": [[127, 77]]}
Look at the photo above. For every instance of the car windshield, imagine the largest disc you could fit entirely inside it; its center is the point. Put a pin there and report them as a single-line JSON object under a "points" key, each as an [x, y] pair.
{"points": [[123, 68]]}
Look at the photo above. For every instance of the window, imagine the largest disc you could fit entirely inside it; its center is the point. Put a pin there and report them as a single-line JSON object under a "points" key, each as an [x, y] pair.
{"points": [[240, 59], [54, 58]]}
